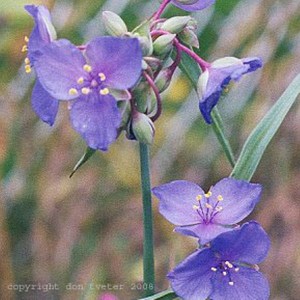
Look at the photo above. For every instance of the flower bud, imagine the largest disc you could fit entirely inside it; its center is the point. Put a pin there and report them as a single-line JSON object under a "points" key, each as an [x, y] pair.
{"points": [[163, 44], [143, 95], [163, 79], [143, 128], [142, 32], [153, 62], [189, 37], [125, 110], [113, 24], [175, 24]]}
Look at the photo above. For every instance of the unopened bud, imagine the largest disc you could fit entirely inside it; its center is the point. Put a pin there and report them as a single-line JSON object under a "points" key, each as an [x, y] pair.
{"points": [[175, 24], [163, 44], [125, 110], [142, 95], [143, 128], [153, 62], [163, 79], [189, 37], [142, 32], [113, 24]]}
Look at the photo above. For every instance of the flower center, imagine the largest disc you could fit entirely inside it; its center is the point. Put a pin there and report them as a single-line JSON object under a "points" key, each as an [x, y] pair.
{"points": [[91, 82], [206, 208], [225, 268]]}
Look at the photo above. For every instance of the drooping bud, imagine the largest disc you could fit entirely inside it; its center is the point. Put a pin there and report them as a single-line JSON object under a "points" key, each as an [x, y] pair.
{"points": [[189, 37], [142, 95], [142, 128], [163, 79], [142, 32], [163, 44], [125, 110], [176, 24], [153, 62], [113, 24]]}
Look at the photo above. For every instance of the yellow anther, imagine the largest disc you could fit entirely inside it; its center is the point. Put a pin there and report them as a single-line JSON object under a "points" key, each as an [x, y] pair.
{"points": [[208, 206], [228, 264], [102, 76], [27, 61], [199, 197], [104, 91], [87, 68], [214, 269], [220, 198], [236, 269], [219, 208], [80, 80], [224, 273], [24, 48], [195, 207], [208, 194], [85, 91], [231, 283], [73, 92], [27, 68], [226, 90], [26, 39]]}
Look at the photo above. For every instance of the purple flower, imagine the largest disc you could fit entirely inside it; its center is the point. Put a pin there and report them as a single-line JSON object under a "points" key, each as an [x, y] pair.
{"points": [[192, 5], [202, 215], [108, 62], [216, 77], [226, 270], [43, 33]]}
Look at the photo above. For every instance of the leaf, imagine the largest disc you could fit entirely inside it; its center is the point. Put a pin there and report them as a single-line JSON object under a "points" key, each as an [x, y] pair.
{"points": [[165, 295], [261, 136], [85, 157]]}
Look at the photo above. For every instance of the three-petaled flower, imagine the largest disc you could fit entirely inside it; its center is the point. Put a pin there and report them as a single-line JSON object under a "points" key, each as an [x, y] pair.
{"points": [[206, 215], [227, 269], [217, 76], [68, 74], [192, 5]]}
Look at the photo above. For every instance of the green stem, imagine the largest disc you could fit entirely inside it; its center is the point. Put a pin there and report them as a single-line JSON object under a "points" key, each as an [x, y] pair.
{"points": [[148, 257], [218, 128]]}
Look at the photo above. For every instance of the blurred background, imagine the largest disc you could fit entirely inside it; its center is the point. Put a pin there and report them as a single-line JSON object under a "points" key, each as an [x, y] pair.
{"points": [[86, 231]]}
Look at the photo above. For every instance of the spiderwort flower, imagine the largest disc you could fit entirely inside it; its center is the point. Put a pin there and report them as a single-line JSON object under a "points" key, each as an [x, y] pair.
{"points": [[43, 33], [108, 62], [216, 77], [227, 269], [192, 5], [206, 215]]}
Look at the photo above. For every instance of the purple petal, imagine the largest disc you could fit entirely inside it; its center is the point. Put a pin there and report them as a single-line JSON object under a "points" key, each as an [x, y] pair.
{"points": [[176, 201], [249, 244], [43, 104], [239, 199], [120, 59], [59, 67], [205, 232], [43, 31], [253, 62], [96, 118], [191, 279], [248, 284], [200, 4]]}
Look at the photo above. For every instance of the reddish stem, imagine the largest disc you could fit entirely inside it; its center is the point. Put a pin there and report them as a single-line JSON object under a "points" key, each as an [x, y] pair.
{"points": [[161, 9]]}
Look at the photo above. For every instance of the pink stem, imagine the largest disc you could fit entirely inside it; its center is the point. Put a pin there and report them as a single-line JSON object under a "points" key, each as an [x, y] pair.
{"points": [[161, 9]]}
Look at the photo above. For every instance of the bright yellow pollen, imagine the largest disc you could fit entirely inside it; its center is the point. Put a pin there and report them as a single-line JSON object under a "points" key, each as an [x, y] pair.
{"points": [[80, 80], [24, 48], [85, 91], [231, 283], [26, 39], [208, 206], [27, 69], [102, 76], [104, 91], [220, 198], [213, 269], [195, 207], [199, 197], [87, 68], [73, 92], [208, 194], [228, 264]]}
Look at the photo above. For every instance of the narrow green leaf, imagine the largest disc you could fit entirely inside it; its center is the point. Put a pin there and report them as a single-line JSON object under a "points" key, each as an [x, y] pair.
{"points": [[85, 157], [165, 295], [261, 136]]}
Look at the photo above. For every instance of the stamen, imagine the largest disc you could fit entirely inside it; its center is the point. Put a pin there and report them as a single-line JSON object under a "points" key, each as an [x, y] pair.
{"points": [[24, 48], [236, 269], [104, 91], [27, 61], [228, 264], [231, 283], [208, 194], [199, 197], [26, 39], [87, 68], [224, 273], [94, 83], [102, 76], [80, 80], [208, 206], [27, 69], [214, 269], [196, 207], [219, 208], [226, 90], [73, 92], [85, 91], [220, 198]]}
